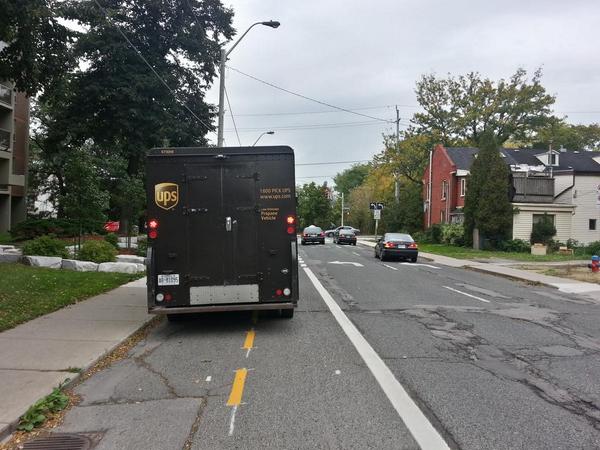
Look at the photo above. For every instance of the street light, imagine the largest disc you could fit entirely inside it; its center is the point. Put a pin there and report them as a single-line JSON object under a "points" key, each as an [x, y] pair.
{"points": [[266, 132], [224, 55]]}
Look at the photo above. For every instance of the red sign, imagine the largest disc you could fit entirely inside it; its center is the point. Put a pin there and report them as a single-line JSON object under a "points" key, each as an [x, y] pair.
{"points": [[111, 227]]}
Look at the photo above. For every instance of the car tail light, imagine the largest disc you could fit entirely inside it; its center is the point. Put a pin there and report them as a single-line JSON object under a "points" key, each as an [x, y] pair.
{"points": [[413, 245], [291, 224], [305, 234], [322, 234], [278, 292], [153, 228], [389, 245]]}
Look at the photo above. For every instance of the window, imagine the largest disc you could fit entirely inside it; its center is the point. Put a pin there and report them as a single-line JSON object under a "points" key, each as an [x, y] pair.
{"points": [[463, 186], [444, 189], [539, 217], [592, 224]]}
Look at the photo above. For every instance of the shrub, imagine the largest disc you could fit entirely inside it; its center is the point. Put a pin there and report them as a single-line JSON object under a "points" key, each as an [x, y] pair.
{"points": [[593, 248], [433, 234], [418, 236], [97, 251], [573, 243], [112, 239], [142, 246], [554, 245], [453, 234], [32, 228], [45, 246], [5, 238], [543, 231], [515, 245]]}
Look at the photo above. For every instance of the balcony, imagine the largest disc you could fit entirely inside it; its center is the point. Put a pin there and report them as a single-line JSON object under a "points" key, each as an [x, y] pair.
{"points": [[6, 95], [533, 189], [4, 140]]}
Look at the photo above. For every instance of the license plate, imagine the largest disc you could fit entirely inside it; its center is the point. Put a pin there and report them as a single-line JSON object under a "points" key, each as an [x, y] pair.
{"points": [[171, 279], [401, 246]]}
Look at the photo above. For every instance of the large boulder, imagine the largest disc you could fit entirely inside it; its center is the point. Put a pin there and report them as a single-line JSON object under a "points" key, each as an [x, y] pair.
{"points": [[12, 251], [52, 262], [122, 267], [4, 248], [131, 259], [79, 266]]}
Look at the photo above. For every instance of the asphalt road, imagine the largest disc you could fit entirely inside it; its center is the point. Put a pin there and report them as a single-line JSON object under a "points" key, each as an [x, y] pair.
{"points": [[379, 355]]}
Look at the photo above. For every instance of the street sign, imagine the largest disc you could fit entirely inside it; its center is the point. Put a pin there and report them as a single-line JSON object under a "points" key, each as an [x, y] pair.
{"points": [[372, 205], [376, 214], [380, 205]]}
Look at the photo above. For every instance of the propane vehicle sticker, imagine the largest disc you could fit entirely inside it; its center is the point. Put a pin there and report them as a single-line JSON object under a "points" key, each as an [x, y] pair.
{"points": [[166, 195], [171, 279]]}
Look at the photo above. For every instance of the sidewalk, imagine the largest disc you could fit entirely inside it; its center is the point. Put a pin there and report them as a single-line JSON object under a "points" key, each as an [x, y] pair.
{"points": [[566, 285], [38, 355]]}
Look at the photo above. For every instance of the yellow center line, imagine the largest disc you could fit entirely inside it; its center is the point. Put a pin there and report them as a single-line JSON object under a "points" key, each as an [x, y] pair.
{"points": [[249, 342], [237, 390]]}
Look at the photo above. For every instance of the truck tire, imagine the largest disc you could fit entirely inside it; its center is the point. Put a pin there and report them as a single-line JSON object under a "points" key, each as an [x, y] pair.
{"points": [[287, 313]]}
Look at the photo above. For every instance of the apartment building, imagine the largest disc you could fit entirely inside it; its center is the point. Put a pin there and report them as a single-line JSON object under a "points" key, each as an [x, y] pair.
{"points": [[14, 147]]}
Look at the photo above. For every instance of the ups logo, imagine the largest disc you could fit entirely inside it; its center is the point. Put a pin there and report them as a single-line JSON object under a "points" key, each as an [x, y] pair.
{"points": [[166, 195]]}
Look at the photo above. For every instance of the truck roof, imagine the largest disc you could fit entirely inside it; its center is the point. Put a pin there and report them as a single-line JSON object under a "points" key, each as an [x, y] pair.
{"points": [[189, 151]]}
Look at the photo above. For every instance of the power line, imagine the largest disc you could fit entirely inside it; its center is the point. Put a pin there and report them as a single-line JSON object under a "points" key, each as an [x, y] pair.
{"points": [[333, 162], [322, 112], [315, 126], [232, 118], [107, 17], [308, 98]]}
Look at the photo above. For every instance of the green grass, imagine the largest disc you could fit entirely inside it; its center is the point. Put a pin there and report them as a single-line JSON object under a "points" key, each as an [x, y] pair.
{"points": [[30, 292], [469, 253]]}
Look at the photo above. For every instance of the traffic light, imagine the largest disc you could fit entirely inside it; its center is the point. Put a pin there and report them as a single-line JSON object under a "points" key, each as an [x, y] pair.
{"points": [[372, 205], [380, 205]]}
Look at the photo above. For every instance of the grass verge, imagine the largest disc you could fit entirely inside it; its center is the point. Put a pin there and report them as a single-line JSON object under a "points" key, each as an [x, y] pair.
{"points": [[29, 292], [469, 253]]}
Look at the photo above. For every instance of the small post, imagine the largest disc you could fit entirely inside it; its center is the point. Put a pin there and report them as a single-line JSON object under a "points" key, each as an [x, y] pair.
{"points": [[342, 209]]}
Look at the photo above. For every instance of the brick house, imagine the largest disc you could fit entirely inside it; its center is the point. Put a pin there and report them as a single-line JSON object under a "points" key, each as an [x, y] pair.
{"points": [[564, 184]]}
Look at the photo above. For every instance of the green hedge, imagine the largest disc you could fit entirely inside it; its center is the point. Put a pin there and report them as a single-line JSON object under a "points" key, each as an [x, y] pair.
{"points": [[32, 228], [45, 246], [97, 251]]}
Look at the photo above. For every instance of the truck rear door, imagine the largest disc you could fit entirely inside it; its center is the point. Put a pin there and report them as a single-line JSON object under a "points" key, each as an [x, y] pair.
{"points": [[222, 227]]}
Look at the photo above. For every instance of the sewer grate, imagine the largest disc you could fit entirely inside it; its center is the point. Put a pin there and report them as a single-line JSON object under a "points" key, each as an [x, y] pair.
{"points": [[59, 442]]}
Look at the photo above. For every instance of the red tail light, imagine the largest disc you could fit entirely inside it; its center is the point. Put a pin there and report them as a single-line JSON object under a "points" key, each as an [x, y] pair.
{"points": [[153, 228], [413, 245], [322, 234], [291, 224], [389, 245]]}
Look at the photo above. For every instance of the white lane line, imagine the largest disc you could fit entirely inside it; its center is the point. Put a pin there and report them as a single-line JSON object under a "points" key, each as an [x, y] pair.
{"points": [[390, 267], [303, 265], [421, 429], [357, 254], [232, 420], [208, 379], [419, 264], [468, 295]]}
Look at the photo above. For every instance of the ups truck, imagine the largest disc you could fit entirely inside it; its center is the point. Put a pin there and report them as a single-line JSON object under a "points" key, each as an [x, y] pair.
{"points": [[221, 226]]}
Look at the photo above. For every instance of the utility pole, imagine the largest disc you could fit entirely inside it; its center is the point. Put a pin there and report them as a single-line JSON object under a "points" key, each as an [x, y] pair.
{"points": [[396, 186], [342, 209]]}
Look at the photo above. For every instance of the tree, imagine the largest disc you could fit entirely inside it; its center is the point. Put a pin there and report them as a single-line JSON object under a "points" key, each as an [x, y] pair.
{"points": [[350, 178], [458, 111], [38, 45], [407, 158], [487, 204], [314, 208], [573, 137]]}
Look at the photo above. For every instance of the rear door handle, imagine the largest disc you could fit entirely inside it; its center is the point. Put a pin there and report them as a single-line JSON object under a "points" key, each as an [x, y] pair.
{"points": [[228, 223]]}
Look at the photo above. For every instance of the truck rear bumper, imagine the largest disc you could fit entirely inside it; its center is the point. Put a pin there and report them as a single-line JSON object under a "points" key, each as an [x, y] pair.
{"points": [[221, 308]]}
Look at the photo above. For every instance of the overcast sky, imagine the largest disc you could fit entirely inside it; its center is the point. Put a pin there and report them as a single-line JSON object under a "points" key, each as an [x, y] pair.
{"points": [[367, 56]]}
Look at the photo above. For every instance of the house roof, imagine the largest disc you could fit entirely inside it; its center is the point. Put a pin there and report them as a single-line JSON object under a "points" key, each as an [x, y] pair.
{"points": [[579, 161]]}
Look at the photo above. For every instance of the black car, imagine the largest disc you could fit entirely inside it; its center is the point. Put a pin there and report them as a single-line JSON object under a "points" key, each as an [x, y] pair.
{"points": [[397, 245], [312, 235], [331, 233], [344, 237]]}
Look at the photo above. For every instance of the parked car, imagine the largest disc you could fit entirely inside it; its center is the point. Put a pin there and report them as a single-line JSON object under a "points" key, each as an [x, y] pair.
{"points": [[312, 235], [331, 233], [344, 237], [398, 245]]}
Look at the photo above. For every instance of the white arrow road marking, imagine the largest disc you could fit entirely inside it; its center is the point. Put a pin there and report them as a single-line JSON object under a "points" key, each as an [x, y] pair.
{"points": [[468, 295], [419, 264], [417, 423], [347, 262], [390, 267]]}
